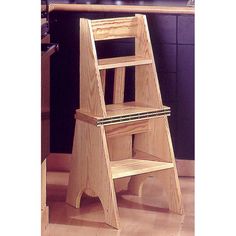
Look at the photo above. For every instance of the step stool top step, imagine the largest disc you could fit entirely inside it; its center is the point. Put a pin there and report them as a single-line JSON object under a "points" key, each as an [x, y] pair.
{"points": [[123, 112]]}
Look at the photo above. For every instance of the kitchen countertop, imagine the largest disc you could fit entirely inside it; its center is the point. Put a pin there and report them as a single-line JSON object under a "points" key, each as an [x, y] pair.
{"points": [[156, 6]]}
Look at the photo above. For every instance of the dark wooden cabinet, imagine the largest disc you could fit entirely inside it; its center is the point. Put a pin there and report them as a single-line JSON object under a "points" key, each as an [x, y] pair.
{"points": [[185, 96], [172, 38]]}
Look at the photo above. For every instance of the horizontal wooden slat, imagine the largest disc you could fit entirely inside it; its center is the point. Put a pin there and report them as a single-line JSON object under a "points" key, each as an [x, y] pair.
{"points": [[61, 162], [123, 112], [130, 167], [114, 28], [115, 62], [124, 129], [128, 108]]}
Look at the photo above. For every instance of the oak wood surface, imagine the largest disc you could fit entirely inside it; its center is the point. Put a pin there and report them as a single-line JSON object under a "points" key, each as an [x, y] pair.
{"points": [[61, 162], [158, 143], [119, 85], [44, 220], [103, 80], [121, 8], [129, 167], [91, 94], [121, 109], [128, 108], [147, 90], [114, 28], [124, 129], [116, 62], [90, 170], [98, 159], [120, 148]]}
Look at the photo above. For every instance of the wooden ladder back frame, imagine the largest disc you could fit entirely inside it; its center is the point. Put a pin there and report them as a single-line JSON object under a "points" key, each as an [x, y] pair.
{"points": [[91, 92], [147, 90]]}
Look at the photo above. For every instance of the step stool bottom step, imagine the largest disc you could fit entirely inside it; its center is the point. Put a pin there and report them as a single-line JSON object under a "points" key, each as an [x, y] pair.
{"points": [[130, 167]]}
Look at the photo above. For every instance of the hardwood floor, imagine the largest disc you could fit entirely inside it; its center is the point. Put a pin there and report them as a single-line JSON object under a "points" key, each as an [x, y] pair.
{"points": [[144, 216]]}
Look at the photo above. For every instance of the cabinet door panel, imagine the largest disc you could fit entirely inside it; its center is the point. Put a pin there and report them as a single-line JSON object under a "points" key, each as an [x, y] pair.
{"points": [[186, 29], [163, 28], [185, 112], [168, 85], [165, 57]]}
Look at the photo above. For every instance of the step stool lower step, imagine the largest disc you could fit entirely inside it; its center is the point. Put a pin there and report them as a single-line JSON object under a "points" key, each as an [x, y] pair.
{"points": [[129, 167]]}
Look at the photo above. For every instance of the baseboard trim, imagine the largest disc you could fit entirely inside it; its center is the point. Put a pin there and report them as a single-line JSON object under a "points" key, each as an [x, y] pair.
{"points": [[62, 162]]}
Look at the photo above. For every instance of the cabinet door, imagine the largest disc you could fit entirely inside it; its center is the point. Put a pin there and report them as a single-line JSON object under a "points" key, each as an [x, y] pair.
{"points": [[185, 29], [185, 98], [162, 28]]}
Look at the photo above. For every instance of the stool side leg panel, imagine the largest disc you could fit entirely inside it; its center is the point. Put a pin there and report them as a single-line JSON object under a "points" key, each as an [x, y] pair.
{"points": [[158, 143], [99, 174], [170, 177], [79, 165]]}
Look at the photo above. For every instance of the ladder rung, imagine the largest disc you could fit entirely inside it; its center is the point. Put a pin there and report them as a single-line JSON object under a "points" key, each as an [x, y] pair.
{"points": [[129, 167], [116, 62]]}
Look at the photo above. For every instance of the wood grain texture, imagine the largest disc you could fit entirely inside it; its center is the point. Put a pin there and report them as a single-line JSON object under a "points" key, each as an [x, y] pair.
{"points": [[117, 110], [119, 85], [123, 129], [44, 221], [121, 8], [120, 148], [98, 159], [91, 94], [147, 90], [61, 162], [114, 28], [43, 185], [130, 167], [91, 170], [103, 80], [116, 62], [128, 108], [158, 143]]}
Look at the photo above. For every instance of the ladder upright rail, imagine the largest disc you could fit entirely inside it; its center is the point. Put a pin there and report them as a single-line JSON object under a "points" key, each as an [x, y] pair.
{"points": [[91, 92]]}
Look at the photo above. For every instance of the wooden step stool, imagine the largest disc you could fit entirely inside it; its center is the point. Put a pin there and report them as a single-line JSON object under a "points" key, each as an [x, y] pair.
{"points": [[123, 139]]}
